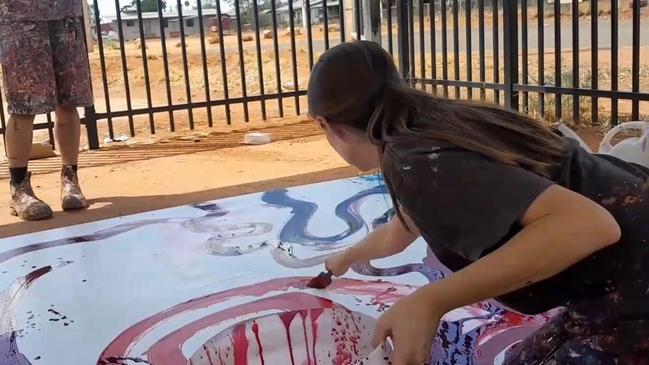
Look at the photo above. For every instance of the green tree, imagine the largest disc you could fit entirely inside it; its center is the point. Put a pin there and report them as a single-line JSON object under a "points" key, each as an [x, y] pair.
{"points": [[149, 5], [208, 4]]}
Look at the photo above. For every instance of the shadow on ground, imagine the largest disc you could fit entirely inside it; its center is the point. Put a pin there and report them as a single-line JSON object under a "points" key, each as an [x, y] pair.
{"points": [[117, 206], [165, 148]]}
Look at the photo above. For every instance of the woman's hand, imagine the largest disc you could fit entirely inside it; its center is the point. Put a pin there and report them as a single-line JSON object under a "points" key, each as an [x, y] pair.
{"points": [[339, 264], [412, 325], [387, 240]]}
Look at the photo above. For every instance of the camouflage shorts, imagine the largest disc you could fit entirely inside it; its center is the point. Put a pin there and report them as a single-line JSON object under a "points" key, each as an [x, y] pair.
{"points": [[44, 66]]}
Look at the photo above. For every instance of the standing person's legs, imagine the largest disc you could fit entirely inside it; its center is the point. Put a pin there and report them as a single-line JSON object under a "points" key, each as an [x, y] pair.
{"points": [[74, 90], [67, 133], [19, 142], [30, 89]]}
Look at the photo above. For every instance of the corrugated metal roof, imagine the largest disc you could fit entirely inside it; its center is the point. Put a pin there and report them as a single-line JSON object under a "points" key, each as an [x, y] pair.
{"points": [[315, 4], [166, 15]]}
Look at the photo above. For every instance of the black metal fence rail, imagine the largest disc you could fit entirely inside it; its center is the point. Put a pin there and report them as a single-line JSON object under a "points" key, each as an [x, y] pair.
{"points": [[233, 70], [158, 69], [571, 87]]}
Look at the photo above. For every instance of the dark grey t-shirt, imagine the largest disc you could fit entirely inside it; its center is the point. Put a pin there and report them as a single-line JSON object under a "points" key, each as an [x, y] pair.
{"points": [[466, 205]]}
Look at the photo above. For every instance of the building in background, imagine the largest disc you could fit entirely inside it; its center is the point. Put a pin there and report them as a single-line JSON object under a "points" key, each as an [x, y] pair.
{"points": [[170, 23], [317, 12]]}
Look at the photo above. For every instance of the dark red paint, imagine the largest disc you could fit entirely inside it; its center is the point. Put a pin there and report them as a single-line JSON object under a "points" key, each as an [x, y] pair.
{"points": [[255, 329], [322, 281]]}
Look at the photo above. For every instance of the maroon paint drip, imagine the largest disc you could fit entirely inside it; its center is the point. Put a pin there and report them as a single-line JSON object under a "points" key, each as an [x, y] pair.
{"points": [[255, 329], [303, 315], [287, 319], [167, 350], [240, 345], [29, 278], [315, 313], [207, 352]]}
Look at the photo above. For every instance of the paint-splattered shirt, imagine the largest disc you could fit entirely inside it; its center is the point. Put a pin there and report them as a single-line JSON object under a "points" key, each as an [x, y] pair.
{"points": [[39, 10], [467, 205]]}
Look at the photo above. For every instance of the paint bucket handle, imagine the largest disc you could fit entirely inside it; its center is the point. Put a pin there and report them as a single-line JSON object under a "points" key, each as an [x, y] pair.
{"points": [[605, 146]]}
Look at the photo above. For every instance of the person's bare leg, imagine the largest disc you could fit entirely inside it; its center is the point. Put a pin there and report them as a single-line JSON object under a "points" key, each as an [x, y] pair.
{"points": [[19, 140], [67, 132], [24, 203]]}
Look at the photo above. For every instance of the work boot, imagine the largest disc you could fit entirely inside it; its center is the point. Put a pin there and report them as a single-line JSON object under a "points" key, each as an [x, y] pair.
{"points": [[24, 204], [71, 195]]}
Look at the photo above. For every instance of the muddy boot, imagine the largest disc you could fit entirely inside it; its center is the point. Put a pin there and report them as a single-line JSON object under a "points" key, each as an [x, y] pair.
{"points": [[71, 195], [24, 204]]}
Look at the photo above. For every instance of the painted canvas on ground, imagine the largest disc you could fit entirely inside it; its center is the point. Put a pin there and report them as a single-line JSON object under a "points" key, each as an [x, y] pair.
{"points": [[224, 282]]}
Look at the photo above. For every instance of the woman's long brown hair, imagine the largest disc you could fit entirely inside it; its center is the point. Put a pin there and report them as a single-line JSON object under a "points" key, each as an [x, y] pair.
{"points": [[357, 84]]}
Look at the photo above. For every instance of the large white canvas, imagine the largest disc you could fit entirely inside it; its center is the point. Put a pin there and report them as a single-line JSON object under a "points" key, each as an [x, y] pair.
{"points": [[121, 291]]}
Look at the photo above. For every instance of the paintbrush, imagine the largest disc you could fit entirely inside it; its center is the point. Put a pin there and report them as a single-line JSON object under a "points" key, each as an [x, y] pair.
{"points": [[322, 281]]}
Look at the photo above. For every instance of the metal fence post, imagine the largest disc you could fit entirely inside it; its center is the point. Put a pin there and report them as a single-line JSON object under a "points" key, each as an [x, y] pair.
{"points": [[510, 42], [90, 121], [403, 38], [372, 20]]}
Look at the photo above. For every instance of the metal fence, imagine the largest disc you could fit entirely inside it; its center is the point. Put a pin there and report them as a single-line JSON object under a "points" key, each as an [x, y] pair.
{"points": [[577, 61], [185, 66], [181, 65]]}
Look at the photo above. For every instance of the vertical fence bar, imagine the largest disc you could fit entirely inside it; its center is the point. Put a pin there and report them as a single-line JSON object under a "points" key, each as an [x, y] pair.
{"points": [[468, 48], [594, 37], [145, 64], [206, 78], [433, 43], [496, 51], [557, 59], [90, 121], [444, 12], [481, 48], [165, 63], [3, 122], [224, 69], [341, 10], [242, 62], [389, 25], [358, 23], [540, 9], [422, 45], [50, 130], [89, 115], [456, 46], [510, 50], [260, 66], [183, 46], [325, 20], [614, 60], [293, 56], [127, 88], [635, 63], [411, 30], [278, 71], [102, 65], [403, 38], [575, 58], [524, 55], [309, 34]]}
